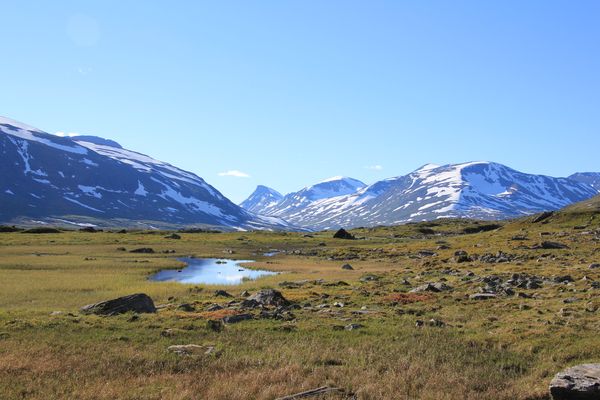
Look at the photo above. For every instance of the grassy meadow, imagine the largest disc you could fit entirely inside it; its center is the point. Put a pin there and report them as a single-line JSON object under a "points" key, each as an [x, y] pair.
{"points": [[425, 345]]}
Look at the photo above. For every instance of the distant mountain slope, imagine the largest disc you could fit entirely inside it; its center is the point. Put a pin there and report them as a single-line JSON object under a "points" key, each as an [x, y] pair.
{"points": [[44, 175], [293, 204], [482, 190], [590, 178], [261, 199]]}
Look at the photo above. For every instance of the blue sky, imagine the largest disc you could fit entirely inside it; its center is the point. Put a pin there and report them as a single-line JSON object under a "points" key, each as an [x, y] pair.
{"points": [[292, 92]]}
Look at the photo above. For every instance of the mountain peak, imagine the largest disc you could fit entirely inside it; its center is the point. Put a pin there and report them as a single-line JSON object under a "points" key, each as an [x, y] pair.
{"points": [[261, 199]]}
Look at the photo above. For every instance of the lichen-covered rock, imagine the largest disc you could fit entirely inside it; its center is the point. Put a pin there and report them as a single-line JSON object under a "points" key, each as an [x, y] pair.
{"points": [[139, 302], [581, 382], [270, 297]]}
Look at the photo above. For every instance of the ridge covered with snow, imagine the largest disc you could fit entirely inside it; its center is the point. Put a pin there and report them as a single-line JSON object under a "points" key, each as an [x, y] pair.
{"points": [[45, 175], [481, 190]]}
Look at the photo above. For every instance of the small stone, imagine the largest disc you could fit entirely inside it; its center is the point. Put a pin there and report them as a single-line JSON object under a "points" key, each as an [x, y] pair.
{"points": [[482, 296], [352, 327], [233, 319], [347, 267]]}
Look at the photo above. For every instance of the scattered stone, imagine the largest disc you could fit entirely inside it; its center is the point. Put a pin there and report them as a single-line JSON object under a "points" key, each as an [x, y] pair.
{"points": [[292, 285], [519, 238], [497, 258], [436, 323], [461, 256], [186, 307], [140, 303], [245, 293], [146, 250], [55, 313], [563, 279], [594, 265], [347, 267], [369, 278], [581, 382], [233, 319], [121, 249], [222, 293], [173, 236], [432, 287], [190, 349], [482, 296], [343, 234], [547, 245], [426, 253], [270, 297], [249, 303], [541, 217], [352, 327], [214, 307]]}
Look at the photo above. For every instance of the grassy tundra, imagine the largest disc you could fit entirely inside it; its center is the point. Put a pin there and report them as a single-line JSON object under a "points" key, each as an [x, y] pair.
{"points": [[423, 345]]}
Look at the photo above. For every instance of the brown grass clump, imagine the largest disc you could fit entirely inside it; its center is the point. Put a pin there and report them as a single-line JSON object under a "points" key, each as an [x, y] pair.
{"points": [[406, 298]]}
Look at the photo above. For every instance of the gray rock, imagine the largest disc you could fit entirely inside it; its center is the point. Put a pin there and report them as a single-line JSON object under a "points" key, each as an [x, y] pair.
{"points": [[144, 250], [594, 265], [140, 303], [347, 267], [581, 382], [482, 296], [270, 297], [233, 319], [547, 245], [432, 287], [353, 327], [191, 349]]}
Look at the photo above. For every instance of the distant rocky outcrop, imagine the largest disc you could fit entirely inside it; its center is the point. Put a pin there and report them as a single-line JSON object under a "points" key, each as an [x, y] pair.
{"points": [[343, 234]]}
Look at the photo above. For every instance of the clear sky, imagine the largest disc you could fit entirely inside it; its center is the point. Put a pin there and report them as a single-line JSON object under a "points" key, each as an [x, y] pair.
{"points": [[292, 92]]}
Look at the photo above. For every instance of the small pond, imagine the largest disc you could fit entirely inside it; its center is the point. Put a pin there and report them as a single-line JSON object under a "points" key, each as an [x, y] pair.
{"points": [[211, 271]]}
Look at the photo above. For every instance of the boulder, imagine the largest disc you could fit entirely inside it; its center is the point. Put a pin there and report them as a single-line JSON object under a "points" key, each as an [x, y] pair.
{"points": [[173, 236], [581, 382], [145, 250], [343, 234], [270, 297], [140, 303], [222, 293], [432, 287], [232, 319], [548, 245], [347, 267]]}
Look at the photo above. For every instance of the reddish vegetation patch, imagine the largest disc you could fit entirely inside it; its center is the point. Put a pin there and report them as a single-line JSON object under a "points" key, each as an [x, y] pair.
{"points": [[406, 298], [218, 314]]}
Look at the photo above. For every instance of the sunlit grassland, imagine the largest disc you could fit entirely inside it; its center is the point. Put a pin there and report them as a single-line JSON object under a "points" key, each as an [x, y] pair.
{"points": [[505, 348]]}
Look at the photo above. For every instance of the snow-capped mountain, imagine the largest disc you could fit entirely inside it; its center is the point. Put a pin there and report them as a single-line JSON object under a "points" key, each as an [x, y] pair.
{"points": [[45, 176], [482, 190], [591, 178], [261, 199], [294, 204]]}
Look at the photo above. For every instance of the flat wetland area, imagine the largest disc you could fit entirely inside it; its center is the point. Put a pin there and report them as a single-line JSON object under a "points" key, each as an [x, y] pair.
{"points": [[365, 330]]}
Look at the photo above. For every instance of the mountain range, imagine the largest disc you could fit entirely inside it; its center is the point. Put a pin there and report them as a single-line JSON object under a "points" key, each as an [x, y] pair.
{"points": [[479, 190], [88, 180], [50, 179]]}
